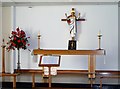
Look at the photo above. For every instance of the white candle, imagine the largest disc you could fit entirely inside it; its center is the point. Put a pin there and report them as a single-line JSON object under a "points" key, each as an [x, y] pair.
{"points": [[39, 40], [99, 33], [38, 33], [3, 42]]}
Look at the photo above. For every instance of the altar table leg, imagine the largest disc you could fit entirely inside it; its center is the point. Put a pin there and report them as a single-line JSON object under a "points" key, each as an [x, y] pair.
{"points": [[49, 80], [14, 81], [91, 66], [33, 80], [100, 83]]}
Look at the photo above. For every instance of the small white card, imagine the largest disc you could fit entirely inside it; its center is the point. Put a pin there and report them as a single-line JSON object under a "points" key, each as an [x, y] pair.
{"points": [[53, 71]]}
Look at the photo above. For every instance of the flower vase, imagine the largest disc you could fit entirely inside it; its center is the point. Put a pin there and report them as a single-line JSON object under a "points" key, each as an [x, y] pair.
{"points": [[18, 64]]}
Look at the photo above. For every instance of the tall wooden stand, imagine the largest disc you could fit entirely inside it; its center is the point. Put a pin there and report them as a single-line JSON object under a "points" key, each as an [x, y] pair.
{"points": [[3, 67], [3, 58]]}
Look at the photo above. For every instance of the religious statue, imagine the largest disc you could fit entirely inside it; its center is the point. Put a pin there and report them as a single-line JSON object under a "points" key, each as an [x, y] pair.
{"points": [[71, 20]]}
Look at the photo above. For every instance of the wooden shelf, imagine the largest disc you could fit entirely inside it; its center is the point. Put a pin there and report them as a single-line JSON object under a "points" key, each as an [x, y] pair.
{"points": [[8, 74]]}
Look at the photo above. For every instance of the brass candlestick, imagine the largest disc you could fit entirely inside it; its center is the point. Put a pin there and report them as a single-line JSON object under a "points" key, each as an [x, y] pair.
{"points": [[99, 40], [39, 41]]}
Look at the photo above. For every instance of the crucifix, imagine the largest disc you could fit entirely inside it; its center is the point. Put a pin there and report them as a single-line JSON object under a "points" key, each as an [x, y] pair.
{"points": [[71, 20]]}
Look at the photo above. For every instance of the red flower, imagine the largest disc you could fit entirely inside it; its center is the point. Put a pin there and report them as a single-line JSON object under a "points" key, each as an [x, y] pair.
{"points": [[28, 44], [17, 29], [18, 40], [13, 32], [13, 44], [15, 38]]}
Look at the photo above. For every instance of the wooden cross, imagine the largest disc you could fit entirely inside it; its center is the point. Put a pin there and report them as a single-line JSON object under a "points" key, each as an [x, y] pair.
{"points": [[71, 20]]}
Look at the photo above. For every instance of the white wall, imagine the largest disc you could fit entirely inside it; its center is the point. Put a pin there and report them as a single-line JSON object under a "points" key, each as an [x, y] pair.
{"points": [[0, 36], [0, 42], [55, 33], [119, 37], [6, 30]]}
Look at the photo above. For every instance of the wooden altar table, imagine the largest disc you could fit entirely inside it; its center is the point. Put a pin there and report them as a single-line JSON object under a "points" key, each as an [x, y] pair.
{"points": [[91, 56]]}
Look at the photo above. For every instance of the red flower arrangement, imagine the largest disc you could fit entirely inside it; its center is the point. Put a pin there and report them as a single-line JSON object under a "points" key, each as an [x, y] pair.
{"points": [[18, 40]]}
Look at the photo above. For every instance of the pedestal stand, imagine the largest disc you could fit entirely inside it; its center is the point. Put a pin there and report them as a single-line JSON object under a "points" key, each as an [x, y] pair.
{"points": [[18, 64]]}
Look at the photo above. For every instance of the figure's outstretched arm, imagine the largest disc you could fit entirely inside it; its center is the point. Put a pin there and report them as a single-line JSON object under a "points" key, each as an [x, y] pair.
{"points": [[78, 16], [66, 15]]}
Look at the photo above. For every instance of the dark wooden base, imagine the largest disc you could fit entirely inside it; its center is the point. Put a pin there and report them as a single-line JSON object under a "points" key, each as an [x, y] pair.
{"points": [[72, 45]]}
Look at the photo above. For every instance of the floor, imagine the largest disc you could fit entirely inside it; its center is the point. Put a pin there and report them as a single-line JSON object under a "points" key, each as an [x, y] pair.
{"points": [[62, 81]]}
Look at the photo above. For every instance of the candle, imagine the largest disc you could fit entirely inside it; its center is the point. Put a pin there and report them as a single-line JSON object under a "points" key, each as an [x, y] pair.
{"points": [[99, 33], [3, 44], [99, 39], [39, 40], [38, 33], [3, 41]]}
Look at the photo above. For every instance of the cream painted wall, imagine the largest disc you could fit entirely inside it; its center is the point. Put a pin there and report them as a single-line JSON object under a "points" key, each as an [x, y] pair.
{"points": [[6, 29], [0, 42], [119, 37], [55, 33], [0, 36]]}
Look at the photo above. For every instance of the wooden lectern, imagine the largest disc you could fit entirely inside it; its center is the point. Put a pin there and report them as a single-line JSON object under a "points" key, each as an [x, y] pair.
{"points": [[50, 62]]}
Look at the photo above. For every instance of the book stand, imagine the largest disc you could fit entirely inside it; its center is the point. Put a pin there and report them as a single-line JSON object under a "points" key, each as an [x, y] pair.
{"points": [[49, 61]]}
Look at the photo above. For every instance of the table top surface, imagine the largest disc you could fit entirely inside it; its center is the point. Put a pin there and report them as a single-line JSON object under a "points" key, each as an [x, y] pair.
{"points": [[68, 52]]}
